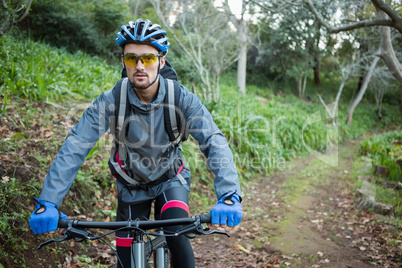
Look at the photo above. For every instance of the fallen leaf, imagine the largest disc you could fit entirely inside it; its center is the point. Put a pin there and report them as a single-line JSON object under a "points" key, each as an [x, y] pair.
{"points": [[242, 248], [287, 257]]}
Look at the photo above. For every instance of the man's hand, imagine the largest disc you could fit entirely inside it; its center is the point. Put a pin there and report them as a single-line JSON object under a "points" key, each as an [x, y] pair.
{"points": [[45, 217], [228, 211]]}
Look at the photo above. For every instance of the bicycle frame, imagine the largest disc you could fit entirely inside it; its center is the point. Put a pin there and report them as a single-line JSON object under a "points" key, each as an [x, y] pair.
{"points": [[192, 225]]}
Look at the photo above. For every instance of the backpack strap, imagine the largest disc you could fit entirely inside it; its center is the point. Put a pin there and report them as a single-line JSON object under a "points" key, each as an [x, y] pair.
{"points": [[174, 118], [119, 150]]}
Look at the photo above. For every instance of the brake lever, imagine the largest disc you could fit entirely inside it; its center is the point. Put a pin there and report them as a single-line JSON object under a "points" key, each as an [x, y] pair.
{"points": [[207, 232], [65, 237], [79, 235]]}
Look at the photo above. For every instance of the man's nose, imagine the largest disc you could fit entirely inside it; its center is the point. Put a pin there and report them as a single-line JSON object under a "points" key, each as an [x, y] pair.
{"points": [[140, 65]]}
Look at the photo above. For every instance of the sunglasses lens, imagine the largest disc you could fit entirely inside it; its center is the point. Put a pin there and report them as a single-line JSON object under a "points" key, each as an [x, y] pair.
{"points": [[146, 59], [131, 60], [149, 59]]}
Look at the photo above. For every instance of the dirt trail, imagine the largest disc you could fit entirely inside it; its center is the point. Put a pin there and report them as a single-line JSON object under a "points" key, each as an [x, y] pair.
{"points": [[301, 217]]}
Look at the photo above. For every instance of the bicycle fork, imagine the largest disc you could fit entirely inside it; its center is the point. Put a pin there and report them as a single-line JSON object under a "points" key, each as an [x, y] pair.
{"points": [[138, 256], [161, 255]]}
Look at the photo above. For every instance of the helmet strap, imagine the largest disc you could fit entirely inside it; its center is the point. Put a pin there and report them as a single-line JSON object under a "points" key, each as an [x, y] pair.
{"points": [[157, 75]]}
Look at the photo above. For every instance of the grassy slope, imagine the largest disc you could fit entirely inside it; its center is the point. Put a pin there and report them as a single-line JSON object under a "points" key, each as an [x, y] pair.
{"points": [[42, 84]]}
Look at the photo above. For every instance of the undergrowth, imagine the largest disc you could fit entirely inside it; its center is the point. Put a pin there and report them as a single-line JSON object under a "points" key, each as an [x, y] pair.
{"points": [[385, 150], [37, 71]]}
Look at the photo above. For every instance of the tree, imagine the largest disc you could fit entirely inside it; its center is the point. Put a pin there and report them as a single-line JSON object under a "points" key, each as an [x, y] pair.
{"points": [[364, 86], [385, 18], [346, 73], [14, 11], [203, 33], [290, 41], [242, 34], [394, 20]]}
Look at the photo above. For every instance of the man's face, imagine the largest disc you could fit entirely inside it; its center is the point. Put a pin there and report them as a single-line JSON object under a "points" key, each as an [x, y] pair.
{"points": [[142, 76]]}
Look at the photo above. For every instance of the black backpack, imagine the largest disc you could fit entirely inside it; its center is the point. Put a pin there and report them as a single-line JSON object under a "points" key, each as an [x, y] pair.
{"points": [[174, 121]]}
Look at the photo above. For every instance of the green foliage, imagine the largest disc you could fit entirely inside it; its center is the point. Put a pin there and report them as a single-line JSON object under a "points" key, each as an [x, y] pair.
{"points": [[35, 71], [264, 132], [385, 150], [389, 196], [53, 22], [186, 72], [90, 26], [108, 14]]}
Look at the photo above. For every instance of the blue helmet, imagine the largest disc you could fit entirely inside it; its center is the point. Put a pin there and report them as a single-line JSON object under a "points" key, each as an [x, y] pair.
{"points": [[143, 32]]}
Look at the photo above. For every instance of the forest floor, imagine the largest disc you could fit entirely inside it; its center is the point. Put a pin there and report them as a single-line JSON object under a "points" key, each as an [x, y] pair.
{"points": [[306, 216], [303, 216]]}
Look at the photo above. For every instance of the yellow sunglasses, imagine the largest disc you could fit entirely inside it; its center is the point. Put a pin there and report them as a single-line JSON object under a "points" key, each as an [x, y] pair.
{"points": [[146, 59]]}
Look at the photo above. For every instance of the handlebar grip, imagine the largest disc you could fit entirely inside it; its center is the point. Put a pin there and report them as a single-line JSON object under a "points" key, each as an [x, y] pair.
{"points": [[206, 218], [63, 223]]}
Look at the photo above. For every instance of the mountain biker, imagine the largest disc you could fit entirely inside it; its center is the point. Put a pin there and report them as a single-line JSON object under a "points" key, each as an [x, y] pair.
{"points": [[155, 165]]}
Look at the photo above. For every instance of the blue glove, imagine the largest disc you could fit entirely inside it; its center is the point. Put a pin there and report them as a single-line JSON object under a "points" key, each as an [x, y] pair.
{"points": [[228, 211], [45, 217]]}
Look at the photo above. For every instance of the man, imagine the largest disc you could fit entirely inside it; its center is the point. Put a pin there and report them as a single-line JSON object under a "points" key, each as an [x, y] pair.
{"points": [[152, 168]]}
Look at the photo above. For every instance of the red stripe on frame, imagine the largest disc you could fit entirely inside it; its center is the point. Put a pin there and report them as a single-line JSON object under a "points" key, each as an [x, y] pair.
{"points": [[124, 242], [175, 204]]}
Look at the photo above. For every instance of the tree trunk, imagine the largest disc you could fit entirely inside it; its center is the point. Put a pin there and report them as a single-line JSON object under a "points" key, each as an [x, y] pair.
{"points": [[299, 85], [12, 18], [242, 62], [316, 69], [387, 51], [332, 114], [304, 84], [380, 98], [361, 79], [363, 88], [5, 25]]}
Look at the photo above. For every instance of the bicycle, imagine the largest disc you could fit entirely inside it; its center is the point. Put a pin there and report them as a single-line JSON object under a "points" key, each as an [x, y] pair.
{"points": [[141, 250]]}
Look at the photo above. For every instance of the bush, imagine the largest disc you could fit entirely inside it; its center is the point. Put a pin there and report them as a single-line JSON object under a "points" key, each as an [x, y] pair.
{"points": [[80, 25], [385, 149]]}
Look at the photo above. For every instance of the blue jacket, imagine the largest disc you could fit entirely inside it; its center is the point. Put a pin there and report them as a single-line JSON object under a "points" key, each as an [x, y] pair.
{"points": [[147, 146]]}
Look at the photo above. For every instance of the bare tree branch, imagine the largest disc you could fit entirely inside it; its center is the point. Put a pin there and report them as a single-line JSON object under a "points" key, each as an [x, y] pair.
{"points": [[26, 12], [395, 17], [9, 20], [204, 40], [357, 25]]}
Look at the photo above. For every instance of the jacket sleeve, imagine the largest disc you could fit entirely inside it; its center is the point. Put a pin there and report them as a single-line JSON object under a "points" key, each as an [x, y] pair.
{"points": [[212, 143], [80, 140]]}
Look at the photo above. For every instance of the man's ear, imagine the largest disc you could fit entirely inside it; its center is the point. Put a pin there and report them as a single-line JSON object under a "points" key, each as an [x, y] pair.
{"points": [[122, 62], [163, 60]]}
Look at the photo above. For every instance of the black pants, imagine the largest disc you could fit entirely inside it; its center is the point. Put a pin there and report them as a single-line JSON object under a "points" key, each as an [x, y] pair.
{"points": [[171, 204]]}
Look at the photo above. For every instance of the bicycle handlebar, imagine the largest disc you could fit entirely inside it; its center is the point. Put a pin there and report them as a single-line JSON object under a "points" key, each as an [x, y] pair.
{"points": [[77, 229], [142, 224]]}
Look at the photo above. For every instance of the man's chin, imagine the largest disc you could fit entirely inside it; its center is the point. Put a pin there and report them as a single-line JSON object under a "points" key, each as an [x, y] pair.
{"points": [[141, 85]]}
